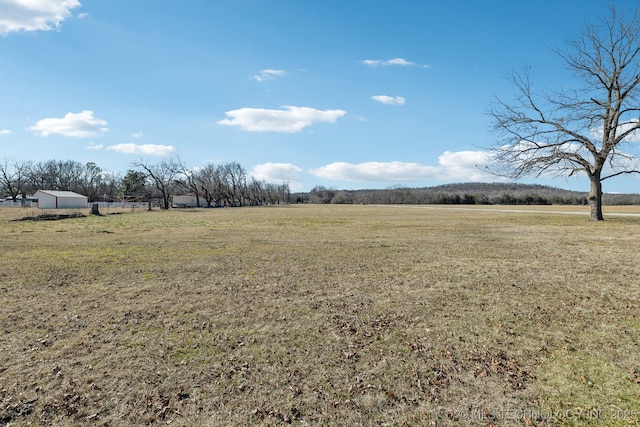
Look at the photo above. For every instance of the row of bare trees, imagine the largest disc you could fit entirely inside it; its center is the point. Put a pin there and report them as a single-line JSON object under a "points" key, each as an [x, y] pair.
{"points": [[224, 184], [213, 185]]}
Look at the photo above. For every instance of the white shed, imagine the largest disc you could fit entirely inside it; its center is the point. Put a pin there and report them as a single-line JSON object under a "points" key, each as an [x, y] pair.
{"points": [[185, 201], [60, 200]]}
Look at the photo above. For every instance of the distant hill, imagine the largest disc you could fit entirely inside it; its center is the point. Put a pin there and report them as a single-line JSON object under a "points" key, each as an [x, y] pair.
{"points": [[462, 193]]}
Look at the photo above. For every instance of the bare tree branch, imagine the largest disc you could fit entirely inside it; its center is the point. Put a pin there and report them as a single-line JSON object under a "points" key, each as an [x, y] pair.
{"points": [[577, 131]]}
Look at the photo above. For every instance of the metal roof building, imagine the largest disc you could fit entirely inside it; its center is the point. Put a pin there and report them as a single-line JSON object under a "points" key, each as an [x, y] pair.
{"points": [[60, 200]]}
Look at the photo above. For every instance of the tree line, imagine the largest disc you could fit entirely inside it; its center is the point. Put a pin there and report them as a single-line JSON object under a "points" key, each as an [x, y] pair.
{"points": [[462, 194], [225, 184]]}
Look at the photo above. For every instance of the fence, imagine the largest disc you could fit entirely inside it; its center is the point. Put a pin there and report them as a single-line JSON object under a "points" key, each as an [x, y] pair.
{"points": [[11, 211]]}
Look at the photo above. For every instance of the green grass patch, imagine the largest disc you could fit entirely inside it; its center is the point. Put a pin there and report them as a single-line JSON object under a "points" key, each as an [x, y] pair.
{"points": [[578, 389]]}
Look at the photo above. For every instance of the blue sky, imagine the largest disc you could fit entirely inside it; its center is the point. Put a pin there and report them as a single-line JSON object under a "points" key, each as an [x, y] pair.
{"points": [[346, 94]]}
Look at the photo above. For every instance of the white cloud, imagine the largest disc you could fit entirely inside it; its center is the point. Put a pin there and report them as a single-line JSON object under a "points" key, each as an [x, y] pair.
{"points": [[34, 15], [137, 135], [144, 149], [5, 132], [389, 100], [278, 173], [375, 171], [460, 166], [81, 125], [94, 146], [269, 74], [289, 119], [465, 165], [389, 62]]}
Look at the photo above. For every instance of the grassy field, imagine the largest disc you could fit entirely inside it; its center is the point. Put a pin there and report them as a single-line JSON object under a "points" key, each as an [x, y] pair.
{"points": [[321, 315]]}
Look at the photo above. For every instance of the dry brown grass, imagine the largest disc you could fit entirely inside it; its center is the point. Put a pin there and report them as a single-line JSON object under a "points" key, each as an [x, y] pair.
{"points": [[321, 315]]}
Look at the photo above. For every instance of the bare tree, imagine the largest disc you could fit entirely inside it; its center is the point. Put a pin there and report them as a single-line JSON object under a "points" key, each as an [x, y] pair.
{"points": [[235, 178], [257, 192], [210, 183], [187, 179], [62, 175], [13, 178], [38, 177], [90, 180], [162, 175], [110, 185], [582, 130]]}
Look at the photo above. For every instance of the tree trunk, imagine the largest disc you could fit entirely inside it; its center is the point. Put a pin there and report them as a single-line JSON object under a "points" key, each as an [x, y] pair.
{"points": [[595, 198]]}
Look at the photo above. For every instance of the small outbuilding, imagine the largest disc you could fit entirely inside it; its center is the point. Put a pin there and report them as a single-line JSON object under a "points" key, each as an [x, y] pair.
{"points": [[60, 200], [185, 201]]}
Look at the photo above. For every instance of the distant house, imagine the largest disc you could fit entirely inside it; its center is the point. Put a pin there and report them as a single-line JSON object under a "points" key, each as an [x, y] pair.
{"points": [[185, 201], [60, 200]]}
